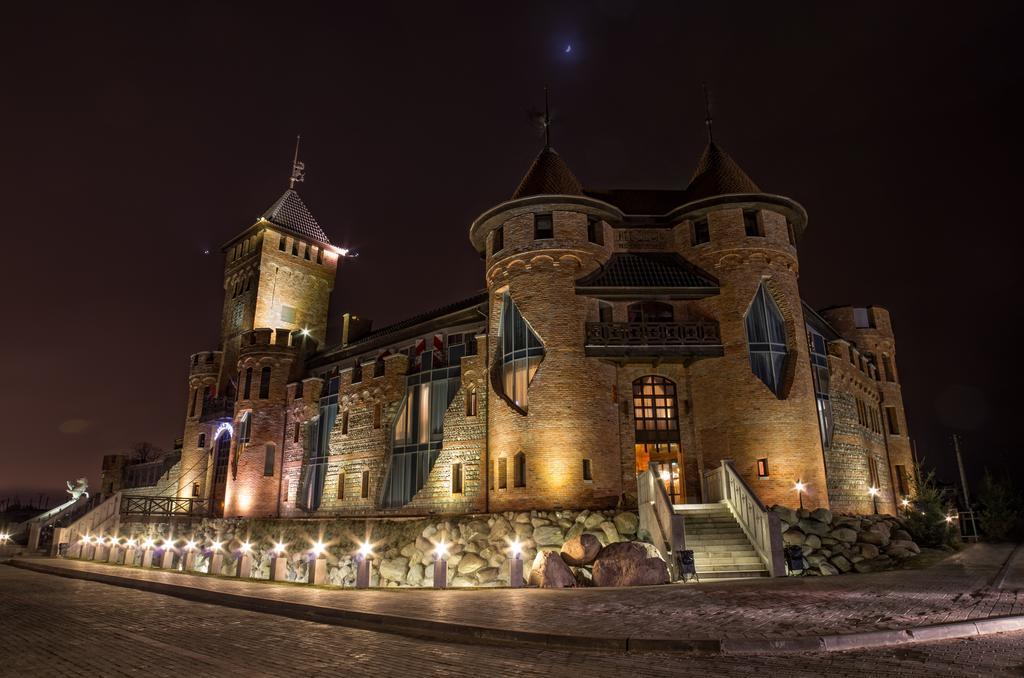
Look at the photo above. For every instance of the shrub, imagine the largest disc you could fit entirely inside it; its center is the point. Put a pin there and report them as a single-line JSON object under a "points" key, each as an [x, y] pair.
{"points": [[926, 519], [1000, 513]]}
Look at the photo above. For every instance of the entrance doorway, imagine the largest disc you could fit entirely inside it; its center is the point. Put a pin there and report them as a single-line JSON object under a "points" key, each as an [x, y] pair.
{"points": [[221, 454], [656, 418]]}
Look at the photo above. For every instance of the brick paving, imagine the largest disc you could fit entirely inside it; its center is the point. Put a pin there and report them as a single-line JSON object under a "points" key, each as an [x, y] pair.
{"points": [[54, 626], [956, 589]]}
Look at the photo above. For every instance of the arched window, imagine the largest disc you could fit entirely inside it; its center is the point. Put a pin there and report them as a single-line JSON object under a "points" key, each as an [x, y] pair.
{"points": [[521, 353], [519, 471], [766, 339], [265, 383], [651, 312], [247, 388]]}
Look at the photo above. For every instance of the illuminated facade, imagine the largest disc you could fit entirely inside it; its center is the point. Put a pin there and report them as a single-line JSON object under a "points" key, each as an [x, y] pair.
{"points": [[616, 330]]}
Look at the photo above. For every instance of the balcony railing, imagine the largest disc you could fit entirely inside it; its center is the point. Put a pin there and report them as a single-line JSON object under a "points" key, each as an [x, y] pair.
{"points": [[164, 506], [221, 407], [638, 338]]}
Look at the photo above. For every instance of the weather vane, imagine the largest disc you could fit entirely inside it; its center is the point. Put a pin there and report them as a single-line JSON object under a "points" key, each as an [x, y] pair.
{"points": [[707, 112], [298, 168]]}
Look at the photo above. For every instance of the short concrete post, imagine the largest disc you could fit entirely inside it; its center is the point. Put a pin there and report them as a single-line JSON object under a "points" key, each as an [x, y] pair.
{"points": [[190, 561], [279, 568], [244, 566], [167, 560], [129, 556], [35, 530], [362, 572], [75, 550], [147, 557], [515, 572], [99, 554], [115, 551], [440, 573], [216, 563], [317, 570]]}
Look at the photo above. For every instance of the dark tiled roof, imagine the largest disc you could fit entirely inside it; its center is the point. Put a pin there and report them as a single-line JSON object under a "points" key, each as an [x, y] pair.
{"points": [[718, 174], [647, 269], [291, 214], [464, 304], [548, 175]]}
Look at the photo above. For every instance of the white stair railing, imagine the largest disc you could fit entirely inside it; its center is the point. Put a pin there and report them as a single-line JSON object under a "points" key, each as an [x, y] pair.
{"points": [[105, 518], [761, 526], [657, 517]]}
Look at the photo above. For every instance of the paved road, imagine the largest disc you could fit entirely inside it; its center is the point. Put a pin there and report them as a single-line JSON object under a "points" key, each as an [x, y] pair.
{"points": [[53, 626], [956, 589]]}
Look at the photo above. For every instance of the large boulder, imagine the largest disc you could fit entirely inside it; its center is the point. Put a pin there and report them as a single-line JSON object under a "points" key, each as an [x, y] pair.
{"points": [[794, 537], [841, 563], [626, 523], [822, 515], [548, 535], [812, 526], [788, 515], [901, 535], [813, 541], [629, 563], [470, 563], [827, 569], [608, 527], [905, 544], [869, 551], [844, 534], [415, 576], [501, 528], [873, 537], [394, 569], [549, 571], [593, 520], [581, 550]]}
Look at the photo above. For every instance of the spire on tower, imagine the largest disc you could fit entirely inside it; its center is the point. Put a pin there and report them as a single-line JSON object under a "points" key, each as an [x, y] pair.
{"points": [[298, 168], [547, 120], [707, 113]]}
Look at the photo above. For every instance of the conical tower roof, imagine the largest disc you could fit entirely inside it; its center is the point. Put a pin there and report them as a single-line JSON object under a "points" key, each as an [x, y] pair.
{"points": [[718, 174], [548, 175], [291, 214]]}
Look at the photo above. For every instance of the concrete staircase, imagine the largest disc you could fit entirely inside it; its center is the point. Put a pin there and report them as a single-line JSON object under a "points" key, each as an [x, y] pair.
{"points": [[720, 548]]}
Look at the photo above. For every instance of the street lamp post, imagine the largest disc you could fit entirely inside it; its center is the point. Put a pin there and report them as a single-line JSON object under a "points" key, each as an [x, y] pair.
{"points": [[873, 491], [515, 566], [800, 487], [440, 565], [363, 557]]}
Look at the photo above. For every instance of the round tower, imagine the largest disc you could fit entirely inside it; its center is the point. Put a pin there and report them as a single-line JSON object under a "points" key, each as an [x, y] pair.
{"points": [[205, 409], [552, 434], [268, 360], [755, 405]]}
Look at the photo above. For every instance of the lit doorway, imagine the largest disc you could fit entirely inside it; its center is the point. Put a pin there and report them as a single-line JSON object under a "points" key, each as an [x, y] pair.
{"points": [[656, 418]]}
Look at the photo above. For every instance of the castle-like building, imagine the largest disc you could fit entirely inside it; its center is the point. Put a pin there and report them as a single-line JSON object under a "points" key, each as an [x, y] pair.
{"points": [[617, 329]]}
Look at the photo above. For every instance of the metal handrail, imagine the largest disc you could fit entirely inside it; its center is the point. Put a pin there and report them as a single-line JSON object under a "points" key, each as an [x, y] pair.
{"points": [[657, 517], [164, 506], [761, 526]]}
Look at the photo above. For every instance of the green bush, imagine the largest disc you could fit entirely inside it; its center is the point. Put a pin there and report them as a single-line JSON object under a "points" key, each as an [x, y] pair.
{"points": [[925, 520], [1000, 514]]}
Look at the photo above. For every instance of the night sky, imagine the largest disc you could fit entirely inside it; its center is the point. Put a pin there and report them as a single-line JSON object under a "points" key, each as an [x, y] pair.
{"points": [[133, 139]]}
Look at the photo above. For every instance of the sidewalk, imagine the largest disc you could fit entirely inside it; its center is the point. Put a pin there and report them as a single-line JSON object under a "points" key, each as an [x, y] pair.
{"points": [[690, 616]]}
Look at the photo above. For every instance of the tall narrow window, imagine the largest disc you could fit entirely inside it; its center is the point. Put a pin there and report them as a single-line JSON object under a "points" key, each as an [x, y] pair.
{"points": [[344, 422], [268, 459], [502, 473], [295, 248], [192, 403], [604, 311], [456, 478], [792, 232], [243, 427], [282, 243], [820, 378], [893, 420], [377, 414], [766, 339], [202, 440], [295, 434], [305, 252], [521, 354], [365, 485], [543, 227], [751, 224], [319, 255], [890, 375], [873, 471], [471, 402], [195, 489], [341, 485], [299, 387], [588, 471], [498, 240], [265, 382], [595, 231], [762, 468], [903, 487], [519, 470], [700, 233], [357, 372], [247, 387]]}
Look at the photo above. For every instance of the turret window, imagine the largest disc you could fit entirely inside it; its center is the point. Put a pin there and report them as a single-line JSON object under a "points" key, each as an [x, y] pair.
{"points": [[519, 470], [282, 244], [243, 427], [766, 340], [202, 440], [498, 239], [595, 233], [295, 248], [543, 227], [247, 385], [751, 224], [265, 383], [701, 233]]}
